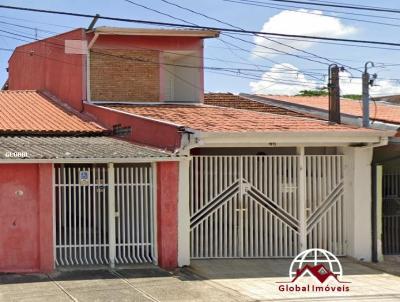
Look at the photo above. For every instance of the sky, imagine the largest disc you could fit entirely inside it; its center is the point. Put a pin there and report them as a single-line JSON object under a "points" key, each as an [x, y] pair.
{"points": [[256, 64]]}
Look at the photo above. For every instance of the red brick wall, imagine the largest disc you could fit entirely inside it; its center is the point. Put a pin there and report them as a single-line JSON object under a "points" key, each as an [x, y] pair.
{"points": [[125, 75]]}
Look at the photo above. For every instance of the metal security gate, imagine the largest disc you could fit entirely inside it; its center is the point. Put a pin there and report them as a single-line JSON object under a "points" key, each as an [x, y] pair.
{"points": [[324, 203], [90, 227], [391, 211], [248, 206]]}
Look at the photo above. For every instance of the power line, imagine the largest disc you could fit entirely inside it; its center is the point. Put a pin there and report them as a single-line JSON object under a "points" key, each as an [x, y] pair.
{"points": [[217, 70], [335, 11], [237, 27], [191, 23], [38, 22], [287, 7], [149, 22], [355, 7], [171, 52], [221, 72], [153, 62]]}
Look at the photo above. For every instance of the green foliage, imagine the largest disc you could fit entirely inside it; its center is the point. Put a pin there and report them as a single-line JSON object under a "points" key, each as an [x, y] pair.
{"points": [[352, 96], [321, 92], [324, 92]]}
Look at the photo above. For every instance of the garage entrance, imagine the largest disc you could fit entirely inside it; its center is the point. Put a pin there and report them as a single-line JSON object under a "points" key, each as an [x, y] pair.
{"points": [[391, 211], [266, 206], [104, 215]]}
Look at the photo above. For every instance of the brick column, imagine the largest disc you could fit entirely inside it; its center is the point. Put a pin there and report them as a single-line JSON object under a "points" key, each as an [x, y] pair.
{"points": [[167, 214]]}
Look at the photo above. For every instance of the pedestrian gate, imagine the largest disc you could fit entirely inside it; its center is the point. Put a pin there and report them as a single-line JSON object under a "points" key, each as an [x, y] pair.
{"points": [[391, 211], [85, 231], [250, 206]]}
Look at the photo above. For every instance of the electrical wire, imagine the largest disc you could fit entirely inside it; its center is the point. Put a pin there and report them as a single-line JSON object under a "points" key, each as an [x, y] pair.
{"points": [[355, 7], [150, 22], [191, 23], [288, 82], [268, 39], [288, 8]]}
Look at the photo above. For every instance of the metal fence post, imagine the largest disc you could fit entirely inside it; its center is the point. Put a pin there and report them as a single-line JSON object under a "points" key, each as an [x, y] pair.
{"points": [[111, 213], [302, 199]]}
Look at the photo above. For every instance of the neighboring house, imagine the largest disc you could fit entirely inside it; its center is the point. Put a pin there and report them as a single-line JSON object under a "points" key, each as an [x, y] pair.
{"points": [[384, 114], [230, 183], [239, 102], [44, 172]]}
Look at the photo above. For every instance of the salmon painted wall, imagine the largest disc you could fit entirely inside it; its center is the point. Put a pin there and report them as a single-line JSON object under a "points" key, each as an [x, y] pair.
{"points": [[144, 131], [167, 214], [147, 42], [44, 65], [26, 218]]}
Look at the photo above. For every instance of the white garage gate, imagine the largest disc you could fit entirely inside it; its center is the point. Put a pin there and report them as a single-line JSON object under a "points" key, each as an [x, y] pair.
{"points": [[265, 206]]}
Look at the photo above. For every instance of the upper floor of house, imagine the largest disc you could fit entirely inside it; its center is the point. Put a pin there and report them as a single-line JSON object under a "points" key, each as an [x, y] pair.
{"points": [[108, 64]]}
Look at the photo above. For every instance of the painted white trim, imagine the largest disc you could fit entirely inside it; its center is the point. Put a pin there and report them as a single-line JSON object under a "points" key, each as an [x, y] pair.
{"points": [[379, 222], [273, 139], [141, 103], [91, 43], [88, 90], [111, 215], [155, 204]]}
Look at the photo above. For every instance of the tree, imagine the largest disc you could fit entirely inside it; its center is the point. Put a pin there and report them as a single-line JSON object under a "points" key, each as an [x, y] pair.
{"points": [[352, 96], [319, 92]]}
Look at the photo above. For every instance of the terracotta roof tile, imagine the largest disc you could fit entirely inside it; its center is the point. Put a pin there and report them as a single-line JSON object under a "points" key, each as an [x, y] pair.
{"points": [[238, 102], [28, 111], [378, 111], [217, 119]]}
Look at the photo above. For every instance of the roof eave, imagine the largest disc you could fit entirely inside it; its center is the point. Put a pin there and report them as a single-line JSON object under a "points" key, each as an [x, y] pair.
{"points": [[90, 160], [292, 138], [205, 33]]}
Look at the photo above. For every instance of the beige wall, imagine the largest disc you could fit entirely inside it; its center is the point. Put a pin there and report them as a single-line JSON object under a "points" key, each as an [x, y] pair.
{"points": [[358, 201], [127, 75]]}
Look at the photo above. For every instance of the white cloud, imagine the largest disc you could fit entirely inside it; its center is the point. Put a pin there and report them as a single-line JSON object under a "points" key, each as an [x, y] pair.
{"points": [[350, 85], [301, 22], [283, 79], [286, 79]]}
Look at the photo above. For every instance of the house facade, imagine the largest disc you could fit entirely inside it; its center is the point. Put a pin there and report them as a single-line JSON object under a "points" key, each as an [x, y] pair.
{"points": [[384, 114], [167, 177]]}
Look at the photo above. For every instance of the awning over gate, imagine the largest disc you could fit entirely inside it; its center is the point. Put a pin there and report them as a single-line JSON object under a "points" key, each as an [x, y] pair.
{"points": [[68, 148]]}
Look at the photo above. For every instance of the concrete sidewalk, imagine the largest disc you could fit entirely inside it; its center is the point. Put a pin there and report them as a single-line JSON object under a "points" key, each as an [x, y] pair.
{"points": [[257, 280], [206, 280], [103, 285]]}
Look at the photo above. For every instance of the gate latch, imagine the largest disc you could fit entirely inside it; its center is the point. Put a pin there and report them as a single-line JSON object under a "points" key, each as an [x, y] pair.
{"points": [[245, 187]]}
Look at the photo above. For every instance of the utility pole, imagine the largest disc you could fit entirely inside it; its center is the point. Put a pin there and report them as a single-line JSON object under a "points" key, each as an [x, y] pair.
{"points": [[334, 94], [366, 82]]}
